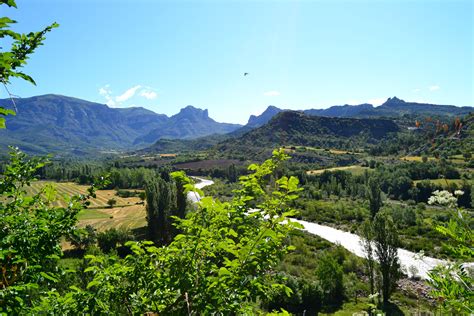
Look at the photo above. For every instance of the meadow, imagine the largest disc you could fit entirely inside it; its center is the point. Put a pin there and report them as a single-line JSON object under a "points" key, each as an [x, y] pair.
{"points": [[127, 213]]}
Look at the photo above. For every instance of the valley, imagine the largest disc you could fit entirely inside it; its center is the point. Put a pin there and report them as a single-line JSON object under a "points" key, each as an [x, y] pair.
{"points": [[241, 158]]}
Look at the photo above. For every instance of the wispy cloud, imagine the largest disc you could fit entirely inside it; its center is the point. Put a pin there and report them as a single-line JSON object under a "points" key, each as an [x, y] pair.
{"points": [[416, 90], [113, 101], [128, 94], [107, 94], [434, 88], [272, 93], [148, 94]]}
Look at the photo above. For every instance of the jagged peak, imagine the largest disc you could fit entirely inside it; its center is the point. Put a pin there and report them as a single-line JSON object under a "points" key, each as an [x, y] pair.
{"points": [[191, 110], [394, 100]]}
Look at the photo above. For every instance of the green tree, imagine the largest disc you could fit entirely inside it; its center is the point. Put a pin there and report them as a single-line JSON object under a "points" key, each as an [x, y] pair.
{"points": [[222, 263], [330, 275], [374, 195], [161, 205], [386, 249], [14, 58], [30, 233], [111, 202], [367, 240]]}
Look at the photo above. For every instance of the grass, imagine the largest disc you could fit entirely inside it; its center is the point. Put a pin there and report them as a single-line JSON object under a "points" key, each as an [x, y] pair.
{"points": [[126, 214], [442, 182], [91, 214], [416, 158], [355, 170]]}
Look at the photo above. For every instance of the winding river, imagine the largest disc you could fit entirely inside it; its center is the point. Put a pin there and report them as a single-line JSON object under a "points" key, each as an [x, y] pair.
{"points": [[350, 241]]}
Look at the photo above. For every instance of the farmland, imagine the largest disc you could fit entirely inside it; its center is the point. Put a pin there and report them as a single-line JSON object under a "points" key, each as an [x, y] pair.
{"points": [[354, 169], [127, 212]]}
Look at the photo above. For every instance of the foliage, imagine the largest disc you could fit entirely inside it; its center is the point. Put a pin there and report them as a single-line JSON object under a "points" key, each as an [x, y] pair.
{"points": [[83, 238], [30, 232], [453, 284], [386, 249], [330, 275], [374, 196], [109, 239], [23, 45], [221, 263]]}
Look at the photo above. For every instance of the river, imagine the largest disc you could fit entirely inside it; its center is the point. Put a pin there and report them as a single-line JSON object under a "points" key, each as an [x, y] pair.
{"points": [[350, 241]]}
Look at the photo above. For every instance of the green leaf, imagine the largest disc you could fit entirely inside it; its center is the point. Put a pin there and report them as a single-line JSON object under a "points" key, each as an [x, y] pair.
{"points": [[48, 277]]}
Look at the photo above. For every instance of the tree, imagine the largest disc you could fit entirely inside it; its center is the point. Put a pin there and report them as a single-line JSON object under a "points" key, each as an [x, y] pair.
{"points": [[330, 276], [161, 205], [22, 46], [111, 202], [367, 237], [31, 229], [222, 263], [386, 249], [374, 195], [83, 238]]}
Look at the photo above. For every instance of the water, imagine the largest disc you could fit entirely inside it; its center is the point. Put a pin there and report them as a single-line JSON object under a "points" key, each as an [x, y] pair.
{"points": [[352, 242]]}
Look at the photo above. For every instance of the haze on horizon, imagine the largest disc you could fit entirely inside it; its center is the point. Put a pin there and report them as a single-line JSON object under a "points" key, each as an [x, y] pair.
{"points": [[165, 55]]}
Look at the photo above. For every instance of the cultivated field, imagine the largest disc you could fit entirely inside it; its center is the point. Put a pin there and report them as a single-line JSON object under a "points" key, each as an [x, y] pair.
{"points": [[442, 182], [126, 213], [355, 169]]}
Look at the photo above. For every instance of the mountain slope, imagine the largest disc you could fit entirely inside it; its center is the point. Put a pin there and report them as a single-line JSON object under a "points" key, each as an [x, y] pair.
{"points": [[393, 107], [296, 128], [59, 124], [189, 123]]}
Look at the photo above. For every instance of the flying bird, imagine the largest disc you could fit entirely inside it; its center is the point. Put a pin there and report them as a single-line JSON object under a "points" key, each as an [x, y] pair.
{"points": [[246, 73]]}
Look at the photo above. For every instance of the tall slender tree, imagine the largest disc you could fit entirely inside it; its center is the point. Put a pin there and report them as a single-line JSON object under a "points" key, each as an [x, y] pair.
{"points": [[386, 244], [374, 195]]}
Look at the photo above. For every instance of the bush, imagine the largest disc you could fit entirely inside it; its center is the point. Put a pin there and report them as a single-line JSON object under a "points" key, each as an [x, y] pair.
{"points": [[110, 238]]}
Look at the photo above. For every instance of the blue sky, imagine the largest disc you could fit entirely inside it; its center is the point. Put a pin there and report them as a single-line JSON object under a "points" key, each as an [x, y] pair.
{"points": [[164, 55]]}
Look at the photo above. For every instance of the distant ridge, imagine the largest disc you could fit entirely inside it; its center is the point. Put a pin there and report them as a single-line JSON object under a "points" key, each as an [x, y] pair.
{"points": [[296, 128], [60, 124]]}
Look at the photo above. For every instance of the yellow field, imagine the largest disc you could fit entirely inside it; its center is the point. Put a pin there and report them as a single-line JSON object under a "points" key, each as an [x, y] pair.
{"points": [[442, 182], [352, 169], [126, 213], [416, 158]]}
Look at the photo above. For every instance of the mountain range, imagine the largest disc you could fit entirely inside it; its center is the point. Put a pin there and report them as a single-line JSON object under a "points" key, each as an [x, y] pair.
{"points": [[55, 124], [59, 124]]}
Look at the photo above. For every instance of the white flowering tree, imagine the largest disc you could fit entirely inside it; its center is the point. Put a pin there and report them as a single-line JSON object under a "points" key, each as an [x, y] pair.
{"points": [[453, 284]]}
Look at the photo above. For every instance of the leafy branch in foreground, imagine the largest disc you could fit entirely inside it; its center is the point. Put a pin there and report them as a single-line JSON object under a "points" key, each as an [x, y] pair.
{"points": [[23, 45], [453, 283], [222, 262], [30, 233]]}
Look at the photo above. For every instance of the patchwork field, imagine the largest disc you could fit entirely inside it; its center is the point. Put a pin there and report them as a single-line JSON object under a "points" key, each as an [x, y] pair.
{"points": [[126, 213], [355, 169]]}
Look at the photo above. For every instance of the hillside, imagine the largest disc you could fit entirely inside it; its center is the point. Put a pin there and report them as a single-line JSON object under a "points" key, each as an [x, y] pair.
{"points": [[189, 123], [393, 108], [298, 129], [59, 124]]}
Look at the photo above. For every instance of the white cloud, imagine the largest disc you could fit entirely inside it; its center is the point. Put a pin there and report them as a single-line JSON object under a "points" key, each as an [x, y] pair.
{"points": [[416, 90], [434, 88], [377, 101], [107, 94], [113, 101], [128, 94], [272, 93], [148, 94]]}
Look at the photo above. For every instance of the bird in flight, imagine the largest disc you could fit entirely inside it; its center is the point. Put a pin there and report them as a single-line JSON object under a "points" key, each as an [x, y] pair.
{"points": [[246, 73]]}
